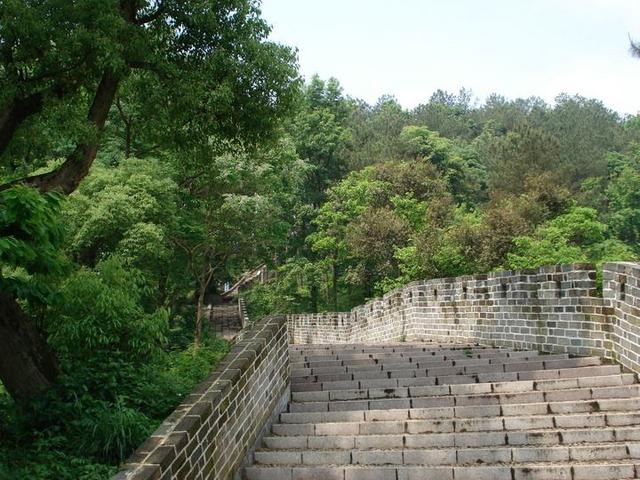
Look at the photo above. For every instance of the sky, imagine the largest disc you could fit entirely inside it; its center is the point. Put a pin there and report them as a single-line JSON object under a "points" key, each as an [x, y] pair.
{"points": [[517, 48]]}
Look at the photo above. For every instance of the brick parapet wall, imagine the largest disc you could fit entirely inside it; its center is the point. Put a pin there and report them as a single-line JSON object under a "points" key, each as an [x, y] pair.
{"points": [[552, 308], [210, 433], [621, 291]]}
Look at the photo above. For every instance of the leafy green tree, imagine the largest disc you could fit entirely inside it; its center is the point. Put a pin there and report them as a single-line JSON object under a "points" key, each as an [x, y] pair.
{"points": [[322, 136], [376, 132], [623, 195], [523, 152], [201, 76], [59, 56], [114, 321], [129, 210], [372, 240], [30, 236], [448, 114], [462, 170], [585, 131], [576, 236]]}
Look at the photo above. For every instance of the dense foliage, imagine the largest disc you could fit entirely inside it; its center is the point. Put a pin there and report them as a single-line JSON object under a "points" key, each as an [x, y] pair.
{"points": [[455, 187], [152, 151]]}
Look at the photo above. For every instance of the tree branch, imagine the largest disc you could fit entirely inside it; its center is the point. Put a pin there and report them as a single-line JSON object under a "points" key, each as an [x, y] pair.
{"points": [[151, 16], [634, 47], [67, 176]]}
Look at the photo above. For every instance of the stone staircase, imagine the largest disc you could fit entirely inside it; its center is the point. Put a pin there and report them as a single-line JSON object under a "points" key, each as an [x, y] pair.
{"points": [[224, 319], [451, 412]]}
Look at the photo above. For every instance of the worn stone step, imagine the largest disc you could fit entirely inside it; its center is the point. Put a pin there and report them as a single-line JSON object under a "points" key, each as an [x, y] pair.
{"points": [[454, 412], [394, 454], [614, 470], [383, 346], [386, 347], [482, 439], [413, 363], [421, 354], [363, 359], [365, 352], [470, 388], [470, 411], [414, 370], [420, 397], [395, 382], [604, 422]]}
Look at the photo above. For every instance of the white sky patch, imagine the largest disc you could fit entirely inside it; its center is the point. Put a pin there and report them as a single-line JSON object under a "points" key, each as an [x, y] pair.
{"points": [[517, 48]]}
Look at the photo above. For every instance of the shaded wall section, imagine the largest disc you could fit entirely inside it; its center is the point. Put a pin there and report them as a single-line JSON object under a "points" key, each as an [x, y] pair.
{"points": [[210, 433]]}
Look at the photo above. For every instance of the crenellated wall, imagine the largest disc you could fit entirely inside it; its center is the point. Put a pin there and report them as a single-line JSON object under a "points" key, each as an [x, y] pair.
{"points": [[552, 308]]}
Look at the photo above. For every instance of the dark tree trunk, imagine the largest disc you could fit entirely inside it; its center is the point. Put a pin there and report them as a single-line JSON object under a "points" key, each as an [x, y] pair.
{"points": [[67, 177], [15, 113], [197, 337], [27, 364], [334, 285], [314, 296]]}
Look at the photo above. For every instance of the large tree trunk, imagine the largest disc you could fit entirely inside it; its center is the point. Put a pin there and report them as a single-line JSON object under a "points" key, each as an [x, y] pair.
{"points": [[334, 285], [197, 338], [27, 364], [67, 176]]}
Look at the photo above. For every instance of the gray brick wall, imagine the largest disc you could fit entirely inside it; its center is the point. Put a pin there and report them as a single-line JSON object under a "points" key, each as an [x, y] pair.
{"points": [[553, 308], [209, 434], [621, 291]]}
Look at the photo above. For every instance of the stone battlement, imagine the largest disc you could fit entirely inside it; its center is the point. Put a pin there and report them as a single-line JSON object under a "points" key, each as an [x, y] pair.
{"points": [[553, 308]]}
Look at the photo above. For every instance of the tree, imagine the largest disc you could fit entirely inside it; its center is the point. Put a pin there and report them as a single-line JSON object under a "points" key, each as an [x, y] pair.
{"points": [[448, 114], [623, 195], [576, 236], [207, 68], [376, 132], [372, 239], [211, 81], [237, 215], [322, 136], [30, 235], [521, 153], [634, 48]]}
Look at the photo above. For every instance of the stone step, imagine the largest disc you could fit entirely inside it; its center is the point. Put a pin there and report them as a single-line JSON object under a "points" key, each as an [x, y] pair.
{"points": [[469, 388], [466, 353], [420, 397], [406, 455], [596, 470], [611, 420], [412, 370], [470, 411], [403, 381], [567, 429], [329, 360], [429, 362], [386, 347], [454, 412]]}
